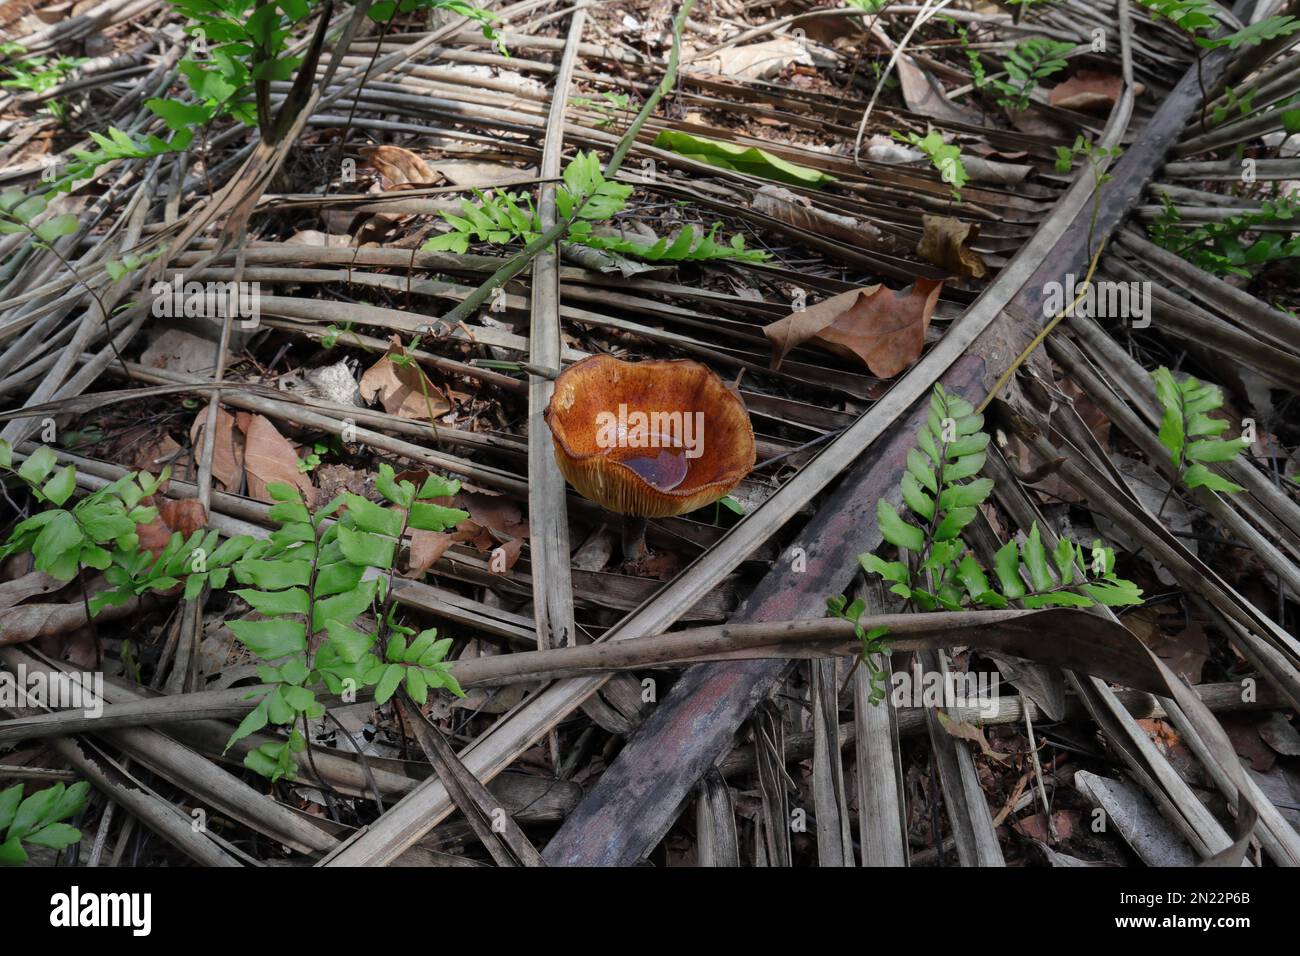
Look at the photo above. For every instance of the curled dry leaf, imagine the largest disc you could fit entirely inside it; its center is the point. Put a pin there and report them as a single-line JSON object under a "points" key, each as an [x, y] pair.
{"points": [[270, 457], [495, 526], [946, 243], [35, 621], [1036, 123], [483, 175], [1035, 826], [475, 535], [31, 584], [1183, 647], [965, 731], [400, 167], [1087, 91], [926, 95], [402, 387], [921, 91], [1097, 421], [1280, 734], [883, 328], [498, 513], [790, 208], [186, 516], [54, 12], [757, 61], [1043, 476]]}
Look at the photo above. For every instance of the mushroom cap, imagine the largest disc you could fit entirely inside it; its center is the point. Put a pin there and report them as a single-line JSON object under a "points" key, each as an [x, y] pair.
{"points": [[695, 459]]}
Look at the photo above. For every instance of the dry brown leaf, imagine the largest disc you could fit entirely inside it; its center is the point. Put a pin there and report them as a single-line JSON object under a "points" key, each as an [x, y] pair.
{"points": [[403, 390], [417, 477], [184, 516], [757, 61], [1042, 476], [29, 622], [227, 453], [477, 536], [503, 557], [179, 351], [270, 457], [788, 207], [496, 512], [153, 536], [1243, 731], [426, 548], [29, 585], [882, 328], [399, 167], [969, 732], [495, 525], [483, 175], [1096, 420], [1035, 825], [926, 95], [152, 456], [1087, 91], [1280, 734], [945, 242], [921, 91], [314, 237], [1185, 649], [1036, 123]]}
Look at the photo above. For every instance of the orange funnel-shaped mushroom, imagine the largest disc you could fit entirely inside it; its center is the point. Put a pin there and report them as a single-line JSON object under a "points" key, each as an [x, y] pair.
{"points": [[649, 439]]}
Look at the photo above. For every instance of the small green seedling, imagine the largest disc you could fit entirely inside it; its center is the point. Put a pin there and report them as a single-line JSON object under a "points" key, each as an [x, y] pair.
{"points": [[38, 820]]}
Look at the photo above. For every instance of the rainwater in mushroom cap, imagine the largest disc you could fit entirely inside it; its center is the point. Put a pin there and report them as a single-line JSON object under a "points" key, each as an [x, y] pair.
{"points": [[649, 439]]}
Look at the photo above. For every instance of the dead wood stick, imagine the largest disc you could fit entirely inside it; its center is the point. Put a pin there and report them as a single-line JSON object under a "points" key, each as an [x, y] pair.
{"points": [[1219, 698], [508, 846], [203, 779], [27, 622], [1013, 631]]}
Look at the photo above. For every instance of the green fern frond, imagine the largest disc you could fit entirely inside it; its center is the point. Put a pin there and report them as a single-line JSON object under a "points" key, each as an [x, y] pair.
{"points": [[312, 582], [936, 570], [1186, 430], [588, 198]]}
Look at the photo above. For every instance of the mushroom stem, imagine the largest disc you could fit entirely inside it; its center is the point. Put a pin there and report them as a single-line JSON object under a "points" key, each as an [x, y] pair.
{"points": [[634, 546]]}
